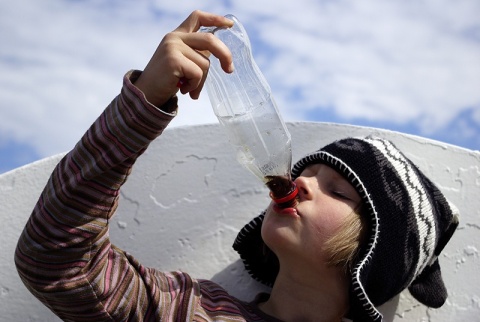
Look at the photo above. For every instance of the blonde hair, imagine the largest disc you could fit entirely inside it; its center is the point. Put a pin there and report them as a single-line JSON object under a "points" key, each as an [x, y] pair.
{"points": [[344, 246]]}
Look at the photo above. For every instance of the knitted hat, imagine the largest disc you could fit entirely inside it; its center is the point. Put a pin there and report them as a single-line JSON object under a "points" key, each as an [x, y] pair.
{"points": [[410, 222]]}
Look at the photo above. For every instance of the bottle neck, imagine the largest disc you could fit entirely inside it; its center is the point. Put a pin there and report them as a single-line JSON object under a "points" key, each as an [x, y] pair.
{"points": [[283, 191]]}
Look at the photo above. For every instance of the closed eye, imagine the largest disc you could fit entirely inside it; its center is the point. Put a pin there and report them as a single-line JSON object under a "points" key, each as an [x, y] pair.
{"points": [[340, 195]]}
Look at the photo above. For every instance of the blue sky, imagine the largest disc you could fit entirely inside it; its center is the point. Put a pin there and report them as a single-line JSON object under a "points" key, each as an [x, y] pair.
{"points": [[409, 66]]}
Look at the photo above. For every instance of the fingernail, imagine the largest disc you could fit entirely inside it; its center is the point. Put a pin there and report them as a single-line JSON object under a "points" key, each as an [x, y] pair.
{"points": [[231, 68], [181, 81]]}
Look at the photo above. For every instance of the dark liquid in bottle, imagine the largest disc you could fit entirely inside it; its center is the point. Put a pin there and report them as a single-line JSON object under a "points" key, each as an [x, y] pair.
{"points": [[281, 187]]}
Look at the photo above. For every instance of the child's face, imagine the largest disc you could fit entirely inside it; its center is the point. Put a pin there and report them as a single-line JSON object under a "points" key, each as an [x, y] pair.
{"points": [[325, 201]]}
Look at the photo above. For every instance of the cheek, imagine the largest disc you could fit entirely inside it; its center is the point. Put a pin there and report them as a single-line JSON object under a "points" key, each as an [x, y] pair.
{"points": [[327, 224]]}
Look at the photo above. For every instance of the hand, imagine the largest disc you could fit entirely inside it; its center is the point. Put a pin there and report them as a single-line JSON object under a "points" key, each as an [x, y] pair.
{"points": [[183, 55]]}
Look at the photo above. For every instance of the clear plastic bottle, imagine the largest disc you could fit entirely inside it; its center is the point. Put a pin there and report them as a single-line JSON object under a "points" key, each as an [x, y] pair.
{"points": [[245, 107]]}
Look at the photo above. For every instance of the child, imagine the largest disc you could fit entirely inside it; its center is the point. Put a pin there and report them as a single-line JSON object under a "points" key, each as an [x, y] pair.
{"points": [[367, 225]]}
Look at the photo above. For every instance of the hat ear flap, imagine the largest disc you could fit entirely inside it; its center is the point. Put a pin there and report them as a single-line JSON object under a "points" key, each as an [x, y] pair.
{"points": [[428, 288]]}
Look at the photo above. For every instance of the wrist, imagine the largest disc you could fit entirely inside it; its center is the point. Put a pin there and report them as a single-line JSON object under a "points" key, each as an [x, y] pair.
{"points": [[152, 95], [167, 104]]}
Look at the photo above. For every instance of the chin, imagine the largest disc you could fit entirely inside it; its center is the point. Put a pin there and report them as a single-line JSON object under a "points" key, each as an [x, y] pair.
{"points": [[277, 235]]}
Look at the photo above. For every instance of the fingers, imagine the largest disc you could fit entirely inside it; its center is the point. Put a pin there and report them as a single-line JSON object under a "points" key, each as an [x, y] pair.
{"points": [[194, 70], [207, 44], [197, 47], [207, 41], [181, 59], [195, 92], [200, 18]]}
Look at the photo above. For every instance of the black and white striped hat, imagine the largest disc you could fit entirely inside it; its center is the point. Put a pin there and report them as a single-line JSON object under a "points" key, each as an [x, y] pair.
{"points": [[410, 222]]}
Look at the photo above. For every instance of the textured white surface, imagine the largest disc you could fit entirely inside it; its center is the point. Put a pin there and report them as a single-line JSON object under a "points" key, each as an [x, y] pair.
{"points": [[188, 197]]}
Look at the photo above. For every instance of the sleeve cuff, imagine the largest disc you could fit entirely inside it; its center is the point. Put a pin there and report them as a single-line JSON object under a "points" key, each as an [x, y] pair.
{"points": [[168, 109]]}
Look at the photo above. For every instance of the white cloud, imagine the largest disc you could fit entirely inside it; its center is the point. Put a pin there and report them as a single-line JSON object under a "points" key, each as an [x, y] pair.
{"points": [[398, 61], [65, 62], [476, 116], [406, 61]]}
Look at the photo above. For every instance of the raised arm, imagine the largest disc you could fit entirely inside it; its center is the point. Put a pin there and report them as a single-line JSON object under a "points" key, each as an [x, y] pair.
{"points": [[64, 255]]}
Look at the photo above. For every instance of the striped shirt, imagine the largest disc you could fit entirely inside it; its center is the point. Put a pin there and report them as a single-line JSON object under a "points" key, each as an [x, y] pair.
{"points": [[64, 255]]}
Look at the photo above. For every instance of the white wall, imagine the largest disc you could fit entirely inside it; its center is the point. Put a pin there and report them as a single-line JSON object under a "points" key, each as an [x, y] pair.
{"points": [[188, 197]]}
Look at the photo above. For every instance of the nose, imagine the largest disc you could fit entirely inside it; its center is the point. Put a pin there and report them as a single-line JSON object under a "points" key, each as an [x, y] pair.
{"points": [[304, 185]]}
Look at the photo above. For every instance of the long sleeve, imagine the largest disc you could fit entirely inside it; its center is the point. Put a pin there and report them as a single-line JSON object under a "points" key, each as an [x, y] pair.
{"points": [[64, 255]]}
